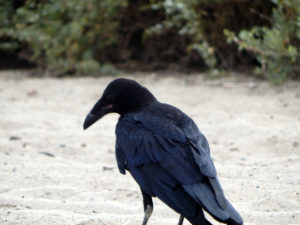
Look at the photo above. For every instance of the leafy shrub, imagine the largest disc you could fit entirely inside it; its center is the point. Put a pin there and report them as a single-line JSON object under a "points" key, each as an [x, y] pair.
{"points": [[276, 47], [183, 17], [63, 35], [203, 21], [82, 36]]}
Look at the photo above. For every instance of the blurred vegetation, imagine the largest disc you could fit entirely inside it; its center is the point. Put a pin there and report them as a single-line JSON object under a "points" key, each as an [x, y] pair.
{"points": [[88, 36], [60, 35], [276, 47]]}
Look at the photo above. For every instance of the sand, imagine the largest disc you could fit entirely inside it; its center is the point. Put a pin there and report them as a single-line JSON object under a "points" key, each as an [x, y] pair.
{"points": [[53, 172]]}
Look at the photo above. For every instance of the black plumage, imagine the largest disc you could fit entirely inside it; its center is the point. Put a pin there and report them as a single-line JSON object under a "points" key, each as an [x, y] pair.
{"points": [[165, 152]]}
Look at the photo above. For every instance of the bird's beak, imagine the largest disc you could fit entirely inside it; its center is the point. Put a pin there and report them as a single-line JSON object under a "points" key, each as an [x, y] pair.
{"points": [[97, 112]]}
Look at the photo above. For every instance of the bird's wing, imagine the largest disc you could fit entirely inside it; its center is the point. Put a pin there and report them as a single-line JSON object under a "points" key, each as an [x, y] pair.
{"points": [[150, 160], [164, 158], [178, 140], [201, 152]]}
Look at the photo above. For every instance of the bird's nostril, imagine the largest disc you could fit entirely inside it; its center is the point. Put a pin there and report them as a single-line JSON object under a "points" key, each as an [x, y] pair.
{"points": [[110, 106]]}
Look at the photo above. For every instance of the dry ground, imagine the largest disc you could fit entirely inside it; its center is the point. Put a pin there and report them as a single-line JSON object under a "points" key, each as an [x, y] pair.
{"points": [[253, 129]]}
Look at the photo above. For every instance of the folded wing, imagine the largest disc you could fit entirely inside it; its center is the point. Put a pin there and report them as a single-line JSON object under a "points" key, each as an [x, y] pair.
{"points": [[172, 163]]}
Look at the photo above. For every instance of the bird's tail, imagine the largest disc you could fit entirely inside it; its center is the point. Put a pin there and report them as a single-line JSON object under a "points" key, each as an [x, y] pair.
{"points": [[199, 219], [209, 195]]}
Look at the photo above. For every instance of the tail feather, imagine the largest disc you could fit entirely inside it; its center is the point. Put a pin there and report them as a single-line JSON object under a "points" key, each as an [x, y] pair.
{"points": [[234, 216], [199, 219], [205, 196], [216, 186]]}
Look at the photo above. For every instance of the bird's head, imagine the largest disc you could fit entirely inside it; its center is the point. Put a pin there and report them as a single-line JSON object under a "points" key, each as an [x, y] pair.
{"points": [[120, 96]]}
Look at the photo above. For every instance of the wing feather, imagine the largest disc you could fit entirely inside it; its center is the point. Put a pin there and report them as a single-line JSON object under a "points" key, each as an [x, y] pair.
{"points": [[172, 163]]}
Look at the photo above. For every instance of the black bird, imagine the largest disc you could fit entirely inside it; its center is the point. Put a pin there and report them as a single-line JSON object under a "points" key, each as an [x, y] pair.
{"points": [[165, 152]]}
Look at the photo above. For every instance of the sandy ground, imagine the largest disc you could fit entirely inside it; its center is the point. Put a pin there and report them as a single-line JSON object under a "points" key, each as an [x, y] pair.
{"points": [[53, 172]]}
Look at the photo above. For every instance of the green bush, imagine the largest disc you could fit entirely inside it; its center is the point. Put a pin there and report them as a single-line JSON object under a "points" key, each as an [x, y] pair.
{"points": [[277, 48], [82, 36], [273, 38], [186, 19], [62, 35]]}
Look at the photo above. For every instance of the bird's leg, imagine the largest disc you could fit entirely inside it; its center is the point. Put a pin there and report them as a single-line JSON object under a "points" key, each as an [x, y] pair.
{"points": [[148, 213], [148, 206], [181, 218]]}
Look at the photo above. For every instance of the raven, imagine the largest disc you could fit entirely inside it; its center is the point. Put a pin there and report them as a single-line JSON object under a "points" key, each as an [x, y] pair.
{"points": [[165, 152]]}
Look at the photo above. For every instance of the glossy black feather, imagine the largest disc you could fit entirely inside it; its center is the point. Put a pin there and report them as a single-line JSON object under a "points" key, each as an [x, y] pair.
{"points": [[170, 158]]}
